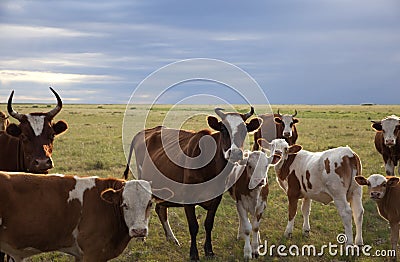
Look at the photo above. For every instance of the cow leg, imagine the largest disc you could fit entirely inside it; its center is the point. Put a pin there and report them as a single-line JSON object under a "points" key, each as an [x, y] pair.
{"points": [[389, 167], [292, 213], [162, 212], [255, 244], [344, 210], [394, 235], [193, 229], [246, 229], [305, 209], [358, 213], [209, 224]]}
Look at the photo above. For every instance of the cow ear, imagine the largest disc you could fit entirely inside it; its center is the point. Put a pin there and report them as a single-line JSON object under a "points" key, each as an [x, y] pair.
{"points": [[294, 149], [362, 181], [278, 120], [254, 124], [377, 125], [13, 130], [295, 120], [392, 181], [214, 123], [60, 127], [264, 143], [112, 196]]}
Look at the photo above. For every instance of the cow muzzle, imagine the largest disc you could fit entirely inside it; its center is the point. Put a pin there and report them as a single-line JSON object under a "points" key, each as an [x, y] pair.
{"points": [[287, 134], [376, 195], [390, 142], [138, 232], [41, 165], [233, 155]]}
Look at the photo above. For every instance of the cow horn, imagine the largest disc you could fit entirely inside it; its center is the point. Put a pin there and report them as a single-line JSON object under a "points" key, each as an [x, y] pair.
{"points": [[219, 112], [51, 114], [279, 113], [248, 114], [11, 111], [295, 113]]}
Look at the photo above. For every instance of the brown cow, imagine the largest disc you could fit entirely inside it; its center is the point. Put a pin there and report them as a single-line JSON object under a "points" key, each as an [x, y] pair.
{"points": [[387, 141], [385, 191], [28, 146], [321, 176], [277, 126], [4, 122], [90, 218], [176, 159], [250, 193]]}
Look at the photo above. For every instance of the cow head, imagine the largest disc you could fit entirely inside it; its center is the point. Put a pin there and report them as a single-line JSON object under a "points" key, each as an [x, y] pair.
{"points": [[390, 127], [377, 184], [135, 199], [257, 165], [233, 129], [287, 121], [279, 147], [4, 122], [36, 131]]}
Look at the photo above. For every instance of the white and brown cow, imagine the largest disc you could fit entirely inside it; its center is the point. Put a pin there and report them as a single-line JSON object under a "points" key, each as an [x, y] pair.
{"points": [[4, 122], [324, 177], [250, 193], [387, 141], [277, 126], [385, 191], [90, 218]]}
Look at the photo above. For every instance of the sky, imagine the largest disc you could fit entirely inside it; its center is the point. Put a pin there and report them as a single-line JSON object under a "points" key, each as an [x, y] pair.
{"points": [[298, 51]]}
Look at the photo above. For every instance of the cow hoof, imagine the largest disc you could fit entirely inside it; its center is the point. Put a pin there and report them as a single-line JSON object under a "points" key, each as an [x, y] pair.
{"points": [[255, 255], [210, 255], [287, 235], [306, 233]]}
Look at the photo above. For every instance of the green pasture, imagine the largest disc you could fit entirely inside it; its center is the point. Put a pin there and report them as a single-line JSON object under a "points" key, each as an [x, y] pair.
{"points": [[93, 145]]}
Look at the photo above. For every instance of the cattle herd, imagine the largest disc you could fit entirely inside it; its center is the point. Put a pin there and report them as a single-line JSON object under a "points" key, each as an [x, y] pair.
{"points": [[93, 219]]}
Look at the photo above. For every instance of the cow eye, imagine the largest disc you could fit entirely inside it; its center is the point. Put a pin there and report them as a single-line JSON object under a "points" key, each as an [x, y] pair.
{"points": [[384, 184], [124, 205]]}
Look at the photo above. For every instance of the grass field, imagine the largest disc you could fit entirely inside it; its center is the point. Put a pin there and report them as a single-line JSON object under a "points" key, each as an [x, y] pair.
{"points": [[93, 146]]}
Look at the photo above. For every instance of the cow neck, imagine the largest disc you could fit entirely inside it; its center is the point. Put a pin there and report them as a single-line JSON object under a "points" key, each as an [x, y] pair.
{"points": [[283, 170], [20, 157]]}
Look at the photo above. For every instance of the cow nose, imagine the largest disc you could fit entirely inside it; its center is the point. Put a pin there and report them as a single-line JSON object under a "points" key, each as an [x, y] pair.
{"points": [[390, 142], [286, 134], [43, 163], [235, 155], [375, 195], [141, 232]]}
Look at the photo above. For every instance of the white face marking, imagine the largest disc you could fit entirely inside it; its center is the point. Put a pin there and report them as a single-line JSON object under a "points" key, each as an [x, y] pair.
{"points": [[37, 123], [234, 121], [136, 198], [82, 184], [389, 125], [287, 120], [376, 180]]}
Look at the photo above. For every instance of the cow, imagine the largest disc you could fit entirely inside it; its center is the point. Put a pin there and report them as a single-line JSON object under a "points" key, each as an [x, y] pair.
{"points": [[206, 157], [28, 146], [277, 126], [385, 191], [90, 218], [250, 193], [4, 122], [324, 177], [387, 142]]}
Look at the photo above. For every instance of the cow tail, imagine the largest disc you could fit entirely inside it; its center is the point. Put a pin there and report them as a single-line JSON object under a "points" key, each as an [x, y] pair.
{"points": [[126, 172]]}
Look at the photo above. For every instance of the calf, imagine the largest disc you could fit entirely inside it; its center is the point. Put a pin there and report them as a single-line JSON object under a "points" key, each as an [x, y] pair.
{"points": [[387, 141], [385, 191], [250, 193], [324, 177], [4, 122], [277, 126], [90, 218]]}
